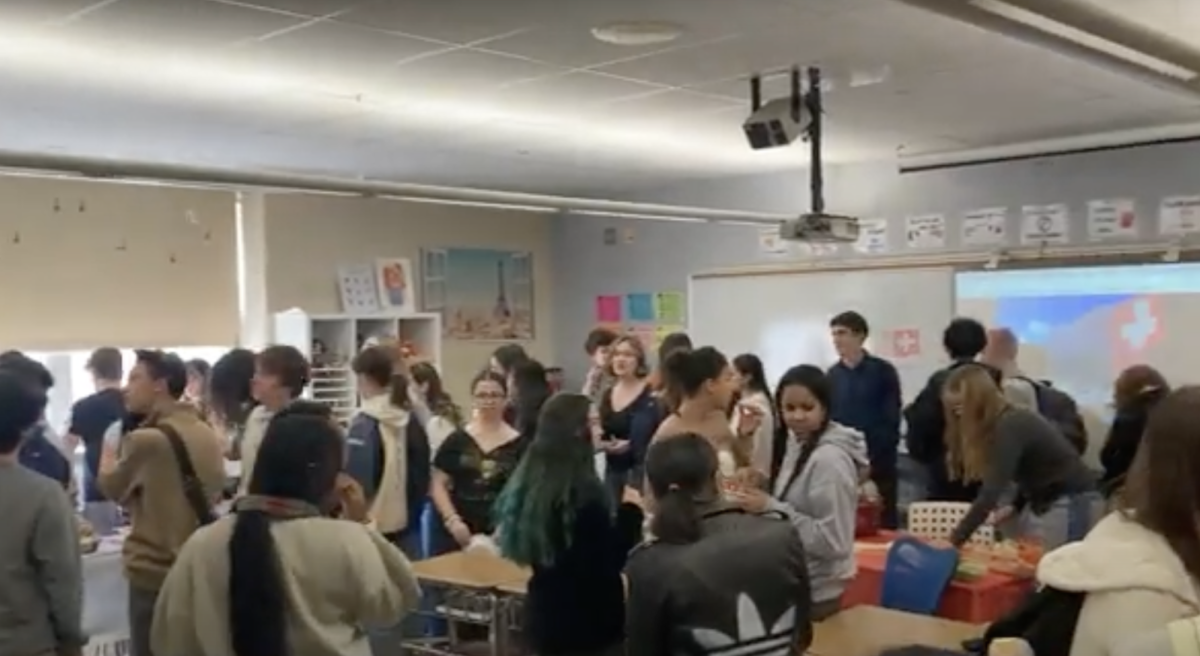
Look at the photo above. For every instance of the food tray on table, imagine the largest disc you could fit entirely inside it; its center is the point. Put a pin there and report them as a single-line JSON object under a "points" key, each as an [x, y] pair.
{"points": [[1011, 558]]}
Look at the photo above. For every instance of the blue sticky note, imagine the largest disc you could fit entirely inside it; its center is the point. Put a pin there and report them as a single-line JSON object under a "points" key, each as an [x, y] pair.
{"points": [[639, 308]]}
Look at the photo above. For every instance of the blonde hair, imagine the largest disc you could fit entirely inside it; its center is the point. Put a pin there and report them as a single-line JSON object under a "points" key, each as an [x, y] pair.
{"points": [[970, 429]]}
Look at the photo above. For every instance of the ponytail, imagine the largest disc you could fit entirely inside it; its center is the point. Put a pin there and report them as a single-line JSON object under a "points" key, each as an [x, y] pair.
{"points": [[398, 391], [676, 520], [256, 591]]}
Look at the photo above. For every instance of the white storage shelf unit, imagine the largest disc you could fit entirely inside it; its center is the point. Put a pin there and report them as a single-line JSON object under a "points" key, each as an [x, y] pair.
{"points": [[330, 342]]}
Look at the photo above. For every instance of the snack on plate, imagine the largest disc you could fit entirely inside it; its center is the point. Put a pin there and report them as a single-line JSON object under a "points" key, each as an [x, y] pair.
{"points": [[1017, 559], [970, 570]]}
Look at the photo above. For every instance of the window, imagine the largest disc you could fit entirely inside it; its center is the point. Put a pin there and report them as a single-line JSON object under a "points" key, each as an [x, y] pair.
{"points": [[433, 280]]}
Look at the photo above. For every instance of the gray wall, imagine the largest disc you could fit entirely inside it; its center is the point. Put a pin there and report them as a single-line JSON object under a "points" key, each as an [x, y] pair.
{"points": [[662, 254]]}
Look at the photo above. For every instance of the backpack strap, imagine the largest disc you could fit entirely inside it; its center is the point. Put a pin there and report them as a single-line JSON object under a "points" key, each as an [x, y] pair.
{"points": [[193, 488]]}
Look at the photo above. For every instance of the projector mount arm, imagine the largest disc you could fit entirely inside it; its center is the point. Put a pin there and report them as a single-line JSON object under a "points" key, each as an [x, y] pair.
{"points": [[802, 101]]}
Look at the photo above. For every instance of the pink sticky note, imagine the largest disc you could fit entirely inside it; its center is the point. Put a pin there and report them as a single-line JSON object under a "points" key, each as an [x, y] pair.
{"points": [[608, 309]]}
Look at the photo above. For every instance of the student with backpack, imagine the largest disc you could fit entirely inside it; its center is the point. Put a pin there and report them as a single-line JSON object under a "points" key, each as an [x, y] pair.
{"points": [[925, 417], [1139, 569], [1040, 395]]}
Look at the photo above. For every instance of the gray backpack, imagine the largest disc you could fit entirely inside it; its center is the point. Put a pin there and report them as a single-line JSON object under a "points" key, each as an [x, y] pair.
{"points": [[1062, 410]]}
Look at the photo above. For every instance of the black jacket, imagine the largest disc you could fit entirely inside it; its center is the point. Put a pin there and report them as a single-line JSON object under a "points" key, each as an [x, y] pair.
{"points": [[742, 587], [926, 441], [1124, 438]]}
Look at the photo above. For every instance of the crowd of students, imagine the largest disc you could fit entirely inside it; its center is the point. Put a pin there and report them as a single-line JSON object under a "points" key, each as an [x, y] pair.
{"points": [[724, 519]]}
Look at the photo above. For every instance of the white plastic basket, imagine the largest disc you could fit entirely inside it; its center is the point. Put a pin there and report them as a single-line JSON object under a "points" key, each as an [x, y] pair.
{"points": [[935, 520]]}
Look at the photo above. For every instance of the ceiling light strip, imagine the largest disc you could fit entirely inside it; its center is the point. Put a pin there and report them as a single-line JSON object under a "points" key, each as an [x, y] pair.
{"points": [[1089, 17], [1043, 22], [972, 15], [111, 169]]}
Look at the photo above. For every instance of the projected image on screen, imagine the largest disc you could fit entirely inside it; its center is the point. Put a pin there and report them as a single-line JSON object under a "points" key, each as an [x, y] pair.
{"points": [[1081, 327]]}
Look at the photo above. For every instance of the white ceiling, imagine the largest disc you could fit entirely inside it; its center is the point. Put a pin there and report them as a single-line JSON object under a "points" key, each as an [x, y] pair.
{"points": [[516, 94]]}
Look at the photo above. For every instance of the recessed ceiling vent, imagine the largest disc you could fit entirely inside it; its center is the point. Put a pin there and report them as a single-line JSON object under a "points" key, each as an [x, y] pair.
{"points": [[638, 33]]}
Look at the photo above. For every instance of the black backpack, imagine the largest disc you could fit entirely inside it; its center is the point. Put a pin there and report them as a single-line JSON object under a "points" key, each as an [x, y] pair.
{"points": [[1046, 620], [1062, 410]]}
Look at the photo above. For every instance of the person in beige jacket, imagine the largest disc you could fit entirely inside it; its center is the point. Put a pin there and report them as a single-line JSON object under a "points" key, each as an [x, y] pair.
{"points": [[279, 575], [1135, 577]]}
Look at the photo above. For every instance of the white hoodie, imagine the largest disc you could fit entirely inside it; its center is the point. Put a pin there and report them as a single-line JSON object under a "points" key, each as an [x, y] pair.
{"points": [[1133, 580], [389, 511]]}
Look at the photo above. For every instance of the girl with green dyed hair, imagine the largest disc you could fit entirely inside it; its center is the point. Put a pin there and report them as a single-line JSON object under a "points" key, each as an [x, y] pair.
{"points": [[555, 517]]}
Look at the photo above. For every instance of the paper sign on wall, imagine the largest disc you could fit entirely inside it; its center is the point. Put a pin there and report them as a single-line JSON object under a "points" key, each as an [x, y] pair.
{"points": [[925, 231], [668, 307], [639, 307], [608, 309], [987, 226], [1044, 224], [872, 236], [1112, 218], [813, 249], [1179, 215], [905, 342]]}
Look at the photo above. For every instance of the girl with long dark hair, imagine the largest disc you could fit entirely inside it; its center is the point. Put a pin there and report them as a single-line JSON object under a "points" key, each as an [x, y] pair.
{"points": [[815, 471], [445, 416], [712, 566], [755, 405], [529, 391], [1136, 392], [1139, 568], [279, 576], [704, 385], [228, 397], [555, 517]]}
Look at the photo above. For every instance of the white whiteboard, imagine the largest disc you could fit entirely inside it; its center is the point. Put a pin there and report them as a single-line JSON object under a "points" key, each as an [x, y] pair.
{"points": [[784, 318]]}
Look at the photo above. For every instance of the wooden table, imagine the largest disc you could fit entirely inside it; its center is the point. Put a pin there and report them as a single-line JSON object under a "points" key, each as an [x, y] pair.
{"points": [[473, 570], [868, 630], [472, 589]]}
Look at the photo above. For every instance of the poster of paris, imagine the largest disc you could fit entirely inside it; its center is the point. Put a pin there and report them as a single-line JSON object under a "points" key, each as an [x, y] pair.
{"points": [[481, 293]]}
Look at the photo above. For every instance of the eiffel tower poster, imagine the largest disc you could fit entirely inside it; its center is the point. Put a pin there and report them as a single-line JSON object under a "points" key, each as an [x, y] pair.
{"points": [[483, 294]]}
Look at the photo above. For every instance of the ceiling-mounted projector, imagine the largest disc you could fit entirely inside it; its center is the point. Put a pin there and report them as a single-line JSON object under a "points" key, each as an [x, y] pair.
{"points": [[777, 123], [820, 228]]}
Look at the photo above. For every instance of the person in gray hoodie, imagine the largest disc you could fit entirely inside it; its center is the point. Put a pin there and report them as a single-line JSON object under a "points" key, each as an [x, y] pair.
{"points": [[816, 468]]}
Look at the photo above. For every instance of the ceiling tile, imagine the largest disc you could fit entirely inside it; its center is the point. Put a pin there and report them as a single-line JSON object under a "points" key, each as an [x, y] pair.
{"points": [[673, 109], [308, 8], [721, 60], [573, 46], [463, 72], [145, 26], [362, 56], [22, 13], [455, 21], [569, 93]]}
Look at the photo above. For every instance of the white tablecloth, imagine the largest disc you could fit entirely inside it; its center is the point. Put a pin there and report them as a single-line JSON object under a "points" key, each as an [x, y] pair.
{"points": [[105, 601]]}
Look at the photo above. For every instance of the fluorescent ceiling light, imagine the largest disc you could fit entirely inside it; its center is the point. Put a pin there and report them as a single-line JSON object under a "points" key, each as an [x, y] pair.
{"points": [[543, 209], [1086, 39], [648, 217]]}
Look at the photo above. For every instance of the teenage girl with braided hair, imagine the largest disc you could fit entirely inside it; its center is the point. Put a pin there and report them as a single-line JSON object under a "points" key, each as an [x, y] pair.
{"points": [[816, 467]]}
